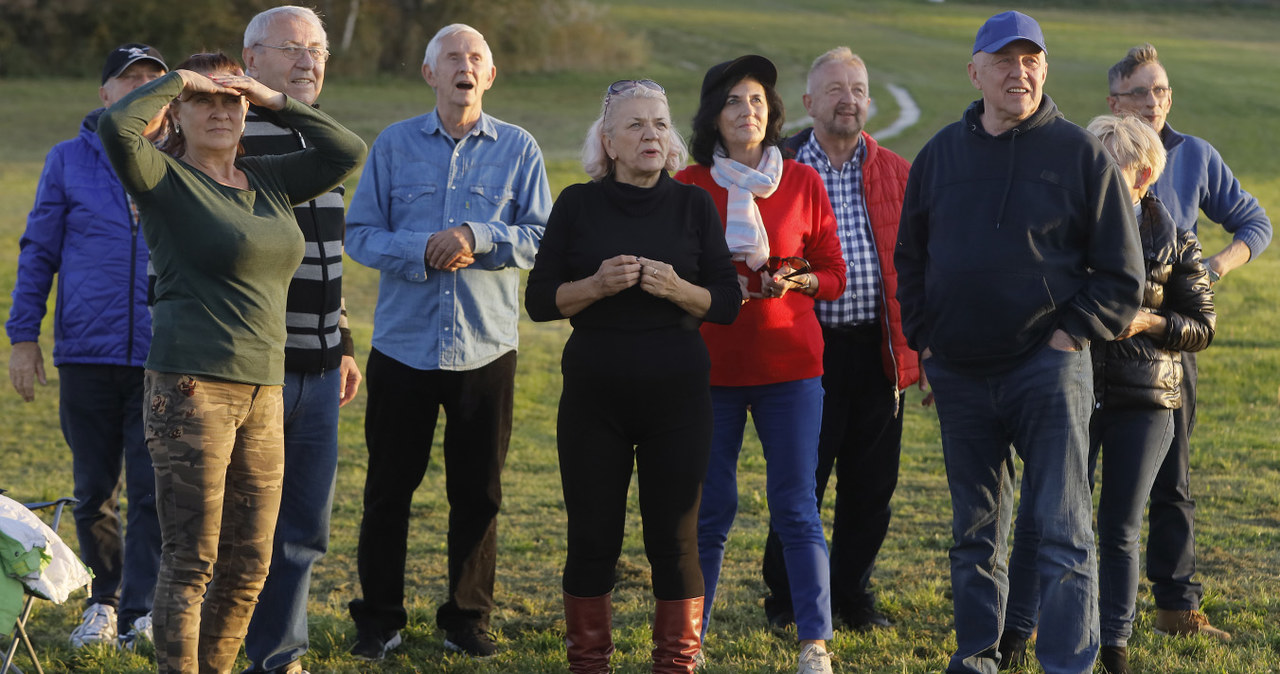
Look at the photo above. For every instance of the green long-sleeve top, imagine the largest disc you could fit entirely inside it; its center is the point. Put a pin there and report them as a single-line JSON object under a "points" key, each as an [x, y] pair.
{"points": [[223, 256]]}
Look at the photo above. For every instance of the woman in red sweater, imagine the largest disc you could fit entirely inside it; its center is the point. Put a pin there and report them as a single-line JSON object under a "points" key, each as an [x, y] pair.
{"points": [[782, 234]]}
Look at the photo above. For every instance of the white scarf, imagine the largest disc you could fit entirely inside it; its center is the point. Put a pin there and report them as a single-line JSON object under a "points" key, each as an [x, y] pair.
{"points": [[744, 228]]}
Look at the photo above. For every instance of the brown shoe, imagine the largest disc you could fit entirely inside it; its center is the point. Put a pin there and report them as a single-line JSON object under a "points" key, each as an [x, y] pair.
{"points": [[1187, 623]]}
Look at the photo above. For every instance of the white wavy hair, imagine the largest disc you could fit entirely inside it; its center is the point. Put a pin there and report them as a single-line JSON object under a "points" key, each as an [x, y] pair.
{"points": [[597, 163], [260, 25], [432, 53]]}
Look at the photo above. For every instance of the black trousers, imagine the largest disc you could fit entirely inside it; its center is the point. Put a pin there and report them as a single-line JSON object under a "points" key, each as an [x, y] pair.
{"points": [[861, 436], [1171, 539], [662, 426], [400, 423]]}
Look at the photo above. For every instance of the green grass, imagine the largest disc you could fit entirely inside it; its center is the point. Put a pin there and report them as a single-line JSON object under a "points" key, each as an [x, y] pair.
{"points": [[1220, 64]]}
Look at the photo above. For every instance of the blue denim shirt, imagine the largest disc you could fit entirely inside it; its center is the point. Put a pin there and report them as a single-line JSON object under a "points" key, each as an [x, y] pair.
{"points": [[418, 181]]}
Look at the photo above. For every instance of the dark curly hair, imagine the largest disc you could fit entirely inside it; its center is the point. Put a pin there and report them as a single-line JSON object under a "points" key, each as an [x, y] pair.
{"points": [[706, 133]]}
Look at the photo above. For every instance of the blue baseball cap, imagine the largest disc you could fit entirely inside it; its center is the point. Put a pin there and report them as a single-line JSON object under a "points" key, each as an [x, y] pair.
{"points": [[1007, 27]]}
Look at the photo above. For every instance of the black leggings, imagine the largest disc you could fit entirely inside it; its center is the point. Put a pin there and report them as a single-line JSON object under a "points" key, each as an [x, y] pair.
{"points": [[663, 426]]}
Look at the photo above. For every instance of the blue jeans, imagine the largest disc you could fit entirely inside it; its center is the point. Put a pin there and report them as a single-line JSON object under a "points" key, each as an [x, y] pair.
{"points": [[100, 407], [1171, 538], [278, 632], [1135, 443], [1041, 407], [787, 417]]}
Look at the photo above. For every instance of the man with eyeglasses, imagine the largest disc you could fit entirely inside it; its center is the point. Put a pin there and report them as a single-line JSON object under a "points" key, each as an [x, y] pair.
{"points": [[866, 361], [286, 49], [1195, 180], [451, 206], [1017, 247]]}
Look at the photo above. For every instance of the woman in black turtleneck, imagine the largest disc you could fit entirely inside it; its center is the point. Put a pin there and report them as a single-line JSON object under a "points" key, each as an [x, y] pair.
{"points": [[637, 262]]}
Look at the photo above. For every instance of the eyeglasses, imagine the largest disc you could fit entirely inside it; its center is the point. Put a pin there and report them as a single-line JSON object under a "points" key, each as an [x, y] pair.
{"points": [[627, 85], [318, 54], [1142, 92], [799, 266]]}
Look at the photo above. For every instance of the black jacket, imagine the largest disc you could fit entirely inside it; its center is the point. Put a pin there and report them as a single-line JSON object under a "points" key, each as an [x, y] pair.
{"points": [[1006, 238], [1144, 371]]}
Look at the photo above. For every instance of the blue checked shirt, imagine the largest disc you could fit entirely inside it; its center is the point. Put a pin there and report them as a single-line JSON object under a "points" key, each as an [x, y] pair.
{"points": [[418, 181], [861, 299]]}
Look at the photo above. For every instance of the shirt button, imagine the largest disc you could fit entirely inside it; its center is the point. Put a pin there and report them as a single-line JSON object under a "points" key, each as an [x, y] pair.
{"points": [[446, 292], [450, 219]]}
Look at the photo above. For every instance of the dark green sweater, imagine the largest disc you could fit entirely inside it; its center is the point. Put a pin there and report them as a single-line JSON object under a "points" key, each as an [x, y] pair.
{"points": [[223, 256]]}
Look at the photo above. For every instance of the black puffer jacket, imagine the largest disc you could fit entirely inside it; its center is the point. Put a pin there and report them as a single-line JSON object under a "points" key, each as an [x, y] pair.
{"points": [[1145, 371]]}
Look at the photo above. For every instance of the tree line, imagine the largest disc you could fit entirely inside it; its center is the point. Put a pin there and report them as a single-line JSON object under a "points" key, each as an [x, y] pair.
{"points": [[70, 38]]}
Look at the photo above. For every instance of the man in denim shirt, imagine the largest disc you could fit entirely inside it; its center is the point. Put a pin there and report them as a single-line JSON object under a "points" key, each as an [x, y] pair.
{"points": [[450, 206]]}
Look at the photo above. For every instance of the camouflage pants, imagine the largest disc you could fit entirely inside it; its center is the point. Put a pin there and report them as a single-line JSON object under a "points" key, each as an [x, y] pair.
{"points": [[218, 452]]}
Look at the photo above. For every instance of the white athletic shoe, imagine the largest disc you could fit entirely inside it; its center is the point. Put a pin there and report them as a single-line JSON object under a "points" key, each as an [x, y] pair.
{"points": [[140, 631], [814, 659], [97, 625]]}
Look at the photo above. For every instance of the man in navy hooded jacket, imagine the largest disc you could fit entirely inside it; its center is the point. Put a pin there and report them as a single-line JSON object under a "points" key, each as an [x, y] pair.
{"points": [[84, 229], [1017, 247]]}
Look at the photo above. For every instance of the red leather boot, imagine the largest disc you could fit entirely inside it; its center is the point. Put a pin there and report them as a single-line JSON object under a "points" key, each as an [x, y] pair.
{"points": [[677, 635], [588, 635]]}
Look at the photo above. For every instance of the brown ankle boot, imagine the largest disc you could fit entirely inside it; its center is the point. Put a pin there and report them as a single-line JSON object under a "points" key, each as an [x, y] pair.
{"points": [[677, 635], [588, 635]]}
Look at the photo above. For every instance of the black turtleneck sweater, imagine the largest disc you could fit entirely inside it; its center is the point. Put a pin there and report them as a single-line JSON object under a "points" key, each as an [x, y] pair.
{"points": [[632, 331]]}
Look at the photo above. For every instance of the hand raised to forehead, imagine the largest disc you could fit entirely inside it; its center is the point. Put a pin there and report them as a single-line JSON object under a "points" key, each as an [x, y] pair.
{"points": [[257, 92]]}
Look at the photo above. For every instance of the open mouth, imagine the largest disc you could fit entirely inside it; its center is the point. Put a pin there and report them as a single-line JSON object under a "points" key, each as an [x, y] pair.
{"points": [[465, 86], [1018, 91]]}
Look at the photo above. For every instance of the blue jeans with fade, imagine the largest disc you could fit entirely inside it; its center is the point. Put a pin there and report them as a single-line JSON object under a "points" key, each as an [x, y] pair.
{"points": [[1040, 408], [787, 417], [278, 632], [100, 407], [1132, 443]]}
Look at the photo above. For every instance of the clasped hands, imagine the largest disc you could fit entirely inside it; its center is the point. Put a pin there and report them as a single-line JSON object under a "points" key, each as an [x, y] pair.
{"points": [[623, 271]]}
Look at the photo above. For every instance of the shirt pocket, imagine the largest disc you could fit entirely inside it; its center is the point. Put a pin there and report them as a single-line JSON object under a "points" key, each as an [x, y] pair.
{"points": [[489, 203], [413, 205]]}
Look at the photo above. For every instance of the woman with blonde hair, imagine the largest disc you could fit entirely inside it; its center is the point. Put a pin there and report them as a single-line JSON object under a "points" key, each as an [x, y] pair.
{"points": [[637, 262]]}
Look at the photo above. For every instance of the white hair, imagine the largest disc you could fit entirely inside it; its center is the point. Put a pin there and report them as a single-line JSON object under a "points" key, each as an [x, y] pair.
{"points": [[433, 47], [597, 163], [259, 27]]}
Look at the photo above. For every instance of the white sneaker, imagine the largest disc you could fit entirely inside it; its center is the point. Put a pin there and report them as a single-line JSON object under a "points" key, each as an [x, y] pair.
{"points": [[97, 625], [140, 631], [814, 659]]}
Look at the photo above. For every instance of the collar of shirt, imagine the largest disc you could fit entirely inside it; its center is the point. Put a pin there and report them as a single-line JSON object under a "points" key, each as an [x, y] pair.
{"points": [[483, 126], [811, 153]]}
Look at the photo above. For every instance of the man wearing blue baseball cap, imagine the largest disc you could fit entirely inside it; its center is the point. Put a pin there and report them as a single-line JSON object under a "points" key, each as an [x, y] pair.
{"points": [[1017, 248], [83, 229]]}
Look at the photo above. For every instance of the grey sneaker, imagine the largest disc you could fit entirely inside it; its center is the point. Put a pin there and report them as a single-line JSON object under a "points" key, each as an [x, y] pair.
{"points": [[814, 659], [140, 631], [97, 625]]}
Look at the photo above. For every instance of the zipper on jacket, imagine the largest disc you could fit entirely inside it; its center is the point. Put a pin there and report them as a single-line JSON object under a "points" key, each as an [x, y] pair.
{"points": [[884, 305], [133, 269], [324, 271]]}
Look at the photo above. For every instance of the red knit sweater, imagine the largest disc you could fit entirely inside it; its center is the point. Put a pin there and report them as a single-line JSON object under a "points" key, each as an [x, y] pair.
{"points": [[778, 340]]}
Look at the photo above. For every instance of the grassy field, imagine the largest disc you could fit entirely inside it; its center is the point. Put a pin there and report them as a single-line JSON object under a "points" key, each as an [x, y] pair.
{"points": [[1219, 62]]}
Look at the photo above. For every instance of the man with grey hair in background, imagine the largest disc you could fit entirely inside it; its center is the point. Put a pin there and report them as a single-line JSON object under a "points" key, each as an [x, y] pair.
{"points": [[286, 49], [866, 363], [451, 205], [1195, 180]]}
